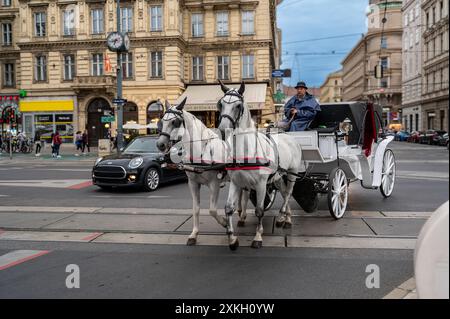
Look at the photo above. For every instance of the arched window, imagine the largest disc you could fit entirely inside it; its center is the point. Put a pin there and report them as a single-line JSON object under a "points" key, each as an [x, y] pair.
{"points": [[155, 110]]}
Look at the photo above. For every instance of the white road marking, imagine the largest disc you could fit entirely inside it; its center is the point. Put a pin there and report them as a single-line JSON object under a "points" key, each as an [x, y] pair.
{"points": [[55, 183], [19, 256]]}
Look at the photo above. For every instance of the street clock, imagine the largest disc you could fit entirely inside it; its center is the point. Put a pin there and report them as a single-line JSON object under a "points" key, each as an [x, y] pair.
{"points": [[118, 42]]}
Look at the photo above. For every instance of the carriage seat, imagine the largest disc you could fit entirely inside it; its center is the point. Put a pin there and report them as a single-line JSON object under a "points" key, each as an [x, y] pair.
{"points": [[324, 128]]}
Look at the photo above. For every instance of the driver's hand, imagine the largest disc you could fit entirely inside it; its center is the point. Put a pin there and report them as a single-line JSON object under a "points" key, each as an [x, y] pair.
{"points": [[293, 111]]}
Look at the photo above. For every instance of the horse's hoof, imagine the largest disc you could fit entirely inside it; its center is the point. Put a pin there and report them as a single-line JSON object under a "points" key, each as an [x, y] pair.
{"points": [[241, 223], [191, 242], [287, 225], [257, 244], [279, 224], [234, 247]]}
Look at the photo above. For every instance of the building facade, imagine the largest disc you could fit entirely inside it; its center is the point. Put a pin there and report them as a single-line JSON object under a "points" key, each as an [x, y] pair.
{"points": [[412, 57], [381, 45], [331, 89], [435, 104], [56, 51]]}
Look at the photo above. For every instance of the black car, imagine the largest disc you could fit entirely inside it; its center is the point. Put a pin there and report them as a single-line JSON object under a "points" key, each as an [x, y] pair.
{"points": [[139, 164]]}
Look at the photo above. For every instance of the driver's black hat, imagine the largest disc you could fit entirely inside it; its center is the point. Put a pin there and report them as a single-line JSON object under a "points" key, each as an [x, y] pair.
{"points": [[301, 85]]}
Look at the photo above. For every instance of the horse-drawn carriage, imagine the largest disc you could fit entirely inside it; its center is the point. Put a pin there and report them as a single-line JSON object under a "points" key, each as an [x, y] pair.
{"points": [[345, 143]]}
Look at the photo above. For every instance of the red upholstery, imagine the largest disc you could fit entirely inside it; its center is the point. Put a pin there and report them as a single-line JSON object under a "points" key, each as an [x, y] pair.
{"points": [[370, 131]]}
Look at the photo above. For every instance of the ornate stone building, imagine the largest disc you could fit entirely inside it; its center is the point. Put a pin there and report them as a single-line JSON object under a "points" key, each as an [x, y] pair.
{"points": [[380, 45], [331, 89], [59, 57], [435, 42]]}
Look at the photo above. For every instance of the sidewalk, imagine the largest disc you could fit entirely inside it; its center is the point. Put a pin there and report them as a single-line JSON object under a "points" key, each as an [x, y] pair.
{"points": [[67, 151]]}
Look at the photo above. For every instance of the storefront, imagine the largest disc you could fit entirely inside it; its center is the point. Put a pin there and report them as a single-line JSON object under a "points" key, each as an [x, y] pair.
{"points": [[10, 117], [47, 117]]}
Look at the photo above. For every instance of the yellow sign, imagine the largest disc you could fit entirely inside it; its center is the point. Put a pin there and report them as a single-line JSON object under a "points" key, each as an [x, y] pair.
{"points": [[46, 106]]}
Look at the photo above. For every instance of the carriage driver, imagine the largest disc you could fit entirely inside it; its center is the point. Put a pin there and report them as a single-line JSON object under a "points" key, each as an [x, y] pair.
{"points": [[301, 109]]}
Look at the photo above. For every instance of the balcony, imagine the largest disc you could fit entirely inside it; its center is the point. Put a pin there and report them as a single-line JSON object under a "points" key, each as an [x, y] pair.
{"points": [[91, 83]]}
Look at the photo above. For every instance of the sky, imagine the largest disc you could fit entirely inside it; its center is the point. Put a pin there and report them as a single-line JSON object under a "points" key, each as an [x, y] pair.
{"points": [[342, 21]]}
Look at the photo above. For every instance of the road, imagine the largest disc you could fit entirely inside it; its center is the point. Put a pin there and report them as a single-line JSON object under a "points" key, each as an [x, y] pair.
{"points": [[130, 244]]}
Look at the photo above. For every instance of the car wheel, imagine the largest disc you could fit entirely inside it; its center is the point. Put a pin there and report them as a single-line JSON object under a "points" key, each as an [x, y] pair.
{"points": [[152, 179]]}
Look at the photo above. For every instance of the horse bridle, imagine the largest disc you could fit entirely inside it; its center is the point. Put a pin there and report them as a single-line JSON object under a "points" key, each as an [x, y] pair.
{"points": [[177, 123], [241, 111]]}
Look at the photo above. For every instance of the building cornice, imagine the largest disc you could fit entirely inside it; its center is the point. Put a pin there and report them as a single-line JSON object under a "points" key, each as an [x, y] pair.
{"points": [[230, 45]]}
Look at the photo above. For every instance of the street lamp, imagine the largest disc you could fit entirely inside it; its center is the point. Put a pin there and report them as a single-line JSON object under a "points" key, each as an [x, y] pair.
{"points": [[119, 42]]}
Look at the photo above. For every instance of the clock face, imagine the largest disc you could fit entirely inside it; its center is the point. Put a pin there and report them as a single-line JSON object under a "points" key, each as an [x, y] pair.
{"points": [[115, 41]]}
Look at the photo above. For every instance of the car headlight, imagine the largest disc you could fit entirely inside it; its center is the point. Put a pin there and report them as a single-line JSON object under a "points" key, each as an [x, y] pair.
{"points": [[98, 161], [136, 162]]}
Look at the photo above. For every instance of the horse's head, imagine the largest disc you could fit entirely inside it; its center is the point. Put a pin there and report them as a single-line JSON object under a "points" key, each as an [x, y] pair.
{"points": [[171, 126], [231, 107]]}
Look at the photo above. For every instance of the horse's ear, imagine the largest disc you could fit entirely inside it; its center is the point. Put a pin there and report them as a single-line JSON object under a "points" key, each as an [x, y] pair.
{"points": [[167, 105], [242, 88], [223, 87], [180, 106]]}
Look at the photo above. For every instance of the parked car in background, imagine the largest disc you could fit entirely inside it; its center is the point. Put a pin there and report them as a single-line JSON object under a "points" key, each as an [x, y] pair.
{"points": [[431, 137], [444, 140], [139, 164], [414, 137], [402, 136]]}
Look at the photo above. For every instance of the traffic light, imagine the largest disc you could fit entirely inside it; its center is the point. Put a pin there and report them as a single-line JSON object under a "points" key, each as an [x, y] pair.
{"points": [[379, 71]]}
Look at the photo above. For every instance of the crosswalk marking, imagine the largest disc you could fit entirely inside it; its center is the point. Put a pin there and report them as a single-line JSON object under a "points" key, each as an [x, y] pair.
{"points": [[19, 256], [56, 183]]}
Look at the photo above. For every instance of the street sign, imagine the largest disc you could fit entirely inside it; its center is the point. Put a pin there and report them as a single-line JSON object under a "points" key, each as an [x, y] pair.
{"points": [[108, 119], [119, 101], [281, 73]]}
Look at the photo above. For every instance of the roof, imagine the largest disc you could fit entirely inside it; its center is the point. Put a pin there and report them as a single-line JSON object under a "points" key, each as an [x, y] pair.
{"points": [[205, 97]]}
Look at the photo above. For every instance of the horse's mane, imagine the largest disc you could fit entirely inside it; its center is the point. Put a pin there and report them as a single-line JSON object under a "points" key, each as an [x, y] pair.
{"points": [[206, 133]]}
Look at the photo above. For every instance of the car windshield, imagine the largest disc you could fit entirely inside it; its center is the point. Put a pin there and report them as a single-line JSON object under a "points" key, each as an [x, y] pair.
{"points": [[142, 145]]}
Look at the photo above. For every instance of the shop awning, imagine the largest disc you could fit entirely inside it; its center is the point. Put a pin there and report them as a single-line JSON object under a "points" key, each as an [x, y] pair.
{"points": [[205, 97]]}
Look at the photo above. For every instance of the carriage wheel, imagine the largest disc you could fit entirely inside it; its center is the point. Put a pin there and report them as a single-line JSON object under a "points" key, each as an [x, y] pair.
{"points": [[388, 174], [269, 200], [337, 193]]}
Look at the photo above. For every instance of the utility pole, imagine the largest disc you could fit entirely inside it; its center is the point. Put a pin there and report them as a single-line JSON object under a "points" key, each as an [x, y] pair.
{"points": [[119, 90]]}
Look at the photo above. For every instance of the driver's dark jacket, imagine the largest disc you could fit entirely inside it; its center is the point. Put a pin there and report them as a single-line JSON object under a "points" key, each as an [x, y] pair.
{"points": [[307, 109]]}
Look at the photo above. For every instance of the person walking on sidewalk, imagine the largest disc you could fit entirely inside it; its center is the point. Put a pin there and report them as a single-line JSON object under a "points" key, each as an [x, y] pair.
{"points": [[79, 141], [57, 141], [38, 143], [85, 138]]}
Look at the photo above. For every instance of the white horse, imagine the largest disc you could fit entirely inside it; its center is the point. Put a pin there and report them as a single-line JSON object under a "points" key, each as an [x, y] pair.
{"points": [[204, 156], [256, 160]]}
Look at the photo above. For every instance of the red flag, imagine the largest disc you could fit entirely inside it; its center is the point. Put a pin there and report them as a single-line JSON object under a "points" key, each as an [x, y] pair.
{"points": [[108, 66]]}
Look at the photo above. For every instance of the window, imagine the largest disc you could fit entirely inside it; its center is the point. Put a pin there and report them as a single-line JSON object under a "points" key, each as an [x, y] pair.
{"points": [[248, 71], [411, 40], [427, 19], [406, 39], [69, 67], [384, 83], [197, 68], [97, 21], [411, 16], [40, 19], [383, 42], [434, 16], [222, 23], [69, 22], [8, 75], [126, 59], [40, 68], [6, 34], [417, 10], [442, 44], [6, 3], [384, 63], [197, 25], [406, 20], [156, 14], [126, 17], [156, 64], [442, 118], [248, 22], [223, 64], [97, 64], [441, 10]]}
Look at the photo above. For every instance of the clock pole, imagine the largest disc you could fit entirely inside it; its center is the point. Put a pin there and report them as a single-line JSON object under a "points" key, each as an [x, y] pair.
{"points": [[119, 90]]}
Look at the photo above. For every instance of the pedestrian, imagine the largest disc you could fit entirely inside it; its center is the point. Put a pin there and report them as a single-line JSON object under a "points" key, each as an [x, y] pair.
{"points": [[57, 141], [79, 141], [37, 142], [53, 145], [85, 138]]}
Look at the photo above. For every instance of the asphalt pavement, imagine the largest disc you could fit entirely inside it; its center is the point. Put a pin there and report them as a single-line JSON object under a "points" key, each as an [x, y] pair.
{"points": [[131, 244]]}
